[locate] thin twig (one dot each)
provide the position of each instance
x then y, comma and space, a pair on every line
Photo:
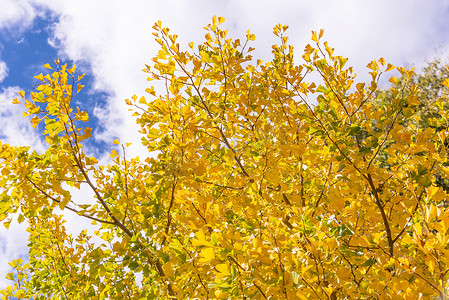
68, 207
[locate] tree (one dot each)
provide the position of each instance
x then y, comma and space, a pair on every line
431, 83
258, 184
433, 98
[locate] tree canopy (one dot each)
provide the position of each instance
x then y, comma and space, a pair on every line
257, 184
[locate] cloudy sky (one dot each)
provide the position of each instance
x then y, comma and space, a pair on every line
111, 40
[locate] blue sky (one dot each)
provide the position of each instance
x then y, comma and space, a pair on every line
110, 41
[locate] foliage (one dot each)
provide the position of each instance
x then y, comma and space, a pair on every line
433, 98
431, 84
258, 184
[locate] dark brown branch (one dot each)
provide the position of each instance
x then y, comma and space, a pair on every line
260, 290
419, 275
382, 212
383, 142
351, 266
126, 183
169, 217
103, 203
311, 287
322, 191
68, 207
201, 216
161, 273
367, 177
405, 226
335, 93
117, 222
222, 186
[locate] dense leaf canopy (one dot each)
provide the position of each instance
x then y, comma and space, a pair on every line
257, 184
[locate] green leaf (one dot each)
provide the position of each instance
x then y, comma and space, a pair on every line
321, 89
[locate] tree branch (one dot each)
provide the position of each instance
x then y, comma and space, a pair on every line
68, 207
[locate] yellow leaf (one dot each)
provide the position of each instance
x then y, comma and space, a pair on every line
92, 160
71, 70
431, 264
142, 100
80, 86
445, 223
48, 66
377, 236
10, 276
304, 268
200, 169
35, 121
329, 290
393, 80
113, 154
40, 77
22, 94
200, 239
150, 91
207, 254
306, 57
300, 295
257, 244
321, 33
7, 223
20, 294
81, 115
442, 238
404, 260
118, 247
446, 83
223, 269
250, 36
116, 142
221, 294
372, 65
87, 133
314, 36
389, 67
418, 229
168, 269
15, 101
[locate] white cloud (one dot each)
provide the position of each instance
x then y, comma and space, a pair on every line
16, 15
18, 131
12, 246
404, 32
3, 70
15, 129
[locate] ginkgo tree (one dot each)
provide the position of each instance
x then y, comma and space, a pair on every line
257, 184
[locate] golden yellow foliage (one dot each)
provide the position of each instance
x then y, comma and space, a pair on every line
259, 184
